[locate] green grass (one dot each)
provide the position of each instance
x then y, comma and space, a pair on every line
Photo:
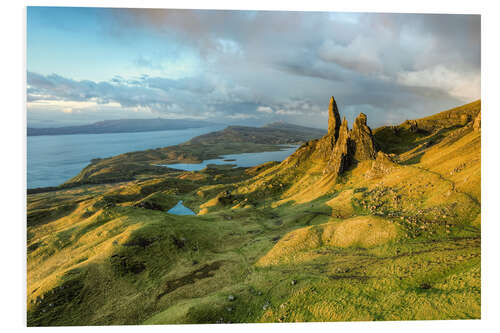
166, 248
275, 243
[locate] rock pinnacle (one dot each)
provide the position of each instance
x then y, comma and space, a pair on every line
333, 118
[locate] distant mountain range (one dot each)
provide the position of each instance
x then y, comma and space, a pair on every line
122, 126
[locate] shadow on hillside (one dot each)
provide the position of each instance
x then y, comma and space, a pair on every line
401, 140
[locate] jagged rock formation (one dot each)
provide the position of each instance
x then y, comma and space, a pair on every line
339, 150
342, 154
383, 165
333, 119
363, 139
326, 144
351, 146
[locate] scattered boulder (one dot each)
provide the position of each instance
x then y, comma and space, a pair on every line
425, 286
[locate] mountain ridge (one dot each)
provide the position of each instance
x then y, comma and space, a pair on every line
273, 133
122, 126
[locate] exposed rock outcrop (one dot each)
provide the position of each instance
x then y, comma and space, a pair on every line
339, 150
361, 135
459, 116
342, 154
412, 125
465, 119
382, 165
333, 119
477, 123
351, 146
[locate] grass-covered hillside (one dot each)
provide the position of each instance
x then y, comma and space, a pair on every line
397, 237
273, 133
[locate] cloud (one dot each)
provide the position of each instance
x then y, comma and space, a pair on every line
240, 116
265, 109
360, 55
288, 112
145, 92
466, 87
284, 65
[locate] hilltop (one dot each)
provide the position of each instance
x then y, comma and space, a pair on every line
274, 133
122, 126
357, 224
295, 128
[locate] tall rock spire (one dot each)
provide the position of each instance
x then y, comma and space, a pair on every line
341, 157
342, 148
333, 119
362, 137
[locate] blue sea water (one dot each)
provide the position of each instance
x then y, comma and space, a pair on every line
53, 159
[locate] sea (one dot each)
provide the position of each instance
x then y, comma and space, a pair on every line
54, 159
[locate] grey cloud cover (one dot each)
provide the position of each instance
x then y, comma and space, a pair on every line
391, 66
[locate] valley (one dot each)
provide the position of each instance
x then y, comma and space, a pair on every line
355, 225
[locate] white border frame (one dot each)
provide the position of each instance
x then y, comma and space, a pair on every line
13, 195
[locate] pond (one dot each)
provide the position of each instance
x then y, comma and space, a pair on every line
180, 209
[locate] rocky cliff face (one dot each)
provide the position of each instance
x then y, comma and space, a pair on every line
349, 146
337, 151
361, 135
342, 154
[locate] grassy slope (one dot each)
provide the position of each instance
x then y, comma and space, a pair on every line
275, 133
391, 241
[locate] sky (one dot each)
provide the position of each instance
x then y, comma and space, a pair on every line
246, 67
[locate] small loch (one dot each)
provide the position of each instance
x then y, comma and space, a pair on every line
180, 209
239, 160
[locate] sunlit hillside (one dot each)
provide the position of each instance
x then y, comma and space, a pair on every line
357, 225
